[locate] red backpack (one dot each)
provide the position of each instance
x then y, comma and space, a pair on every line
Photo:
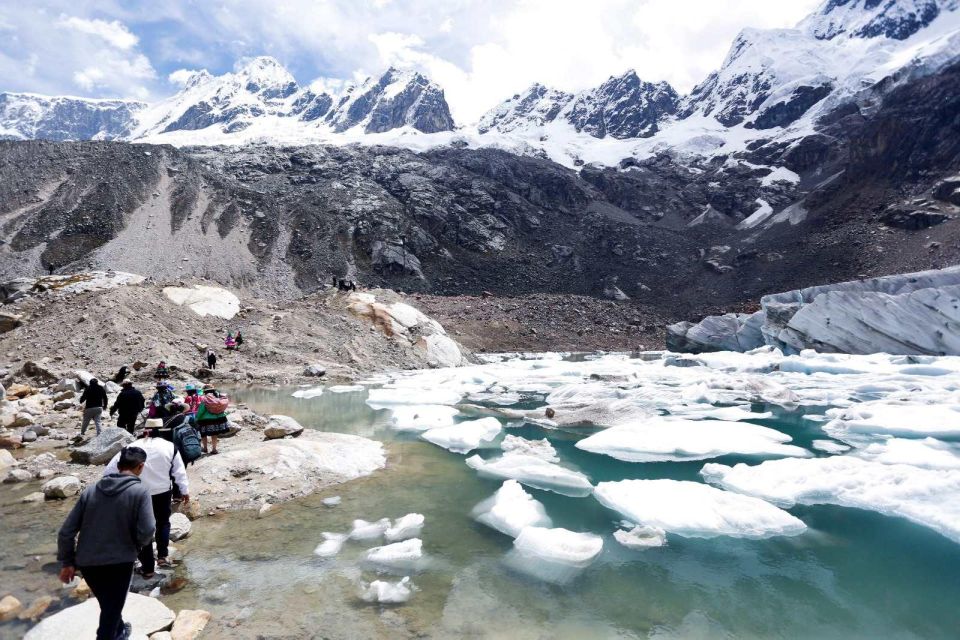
216, 404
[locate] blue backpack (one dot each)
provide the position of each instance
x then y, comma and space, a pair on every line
187, 441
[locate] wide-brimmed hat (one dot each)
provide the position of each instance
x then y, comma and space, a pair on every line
153, 423
190, 387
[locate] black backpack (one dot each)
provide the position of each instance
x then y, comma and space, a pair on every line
187, 441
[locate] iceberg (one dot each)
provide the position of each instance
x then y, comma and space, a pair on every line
421, 417
553, 555
641, 537
534, 472
464, 437
404, 555
306, 394
510, 510
409, 526
929, 497
667, 439
382, 592
331, 545
536, 448
696, 510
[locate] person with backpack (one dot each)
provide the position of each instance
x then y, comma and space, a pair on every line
94, 401
128, 405
161, 372
163, 463
239, 339
191, 398
229, 342
184, 434
212, 417
101, 537
160, 400
211, 359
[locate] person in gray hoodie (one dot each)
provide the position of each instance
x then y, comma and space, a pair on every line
102, 535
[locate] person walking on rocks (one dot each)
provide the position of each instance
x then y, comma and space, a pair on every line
211, 359
128, 405
102, 534
162, 465
212, 417
161, 372
239, 339
191, 398
94, 401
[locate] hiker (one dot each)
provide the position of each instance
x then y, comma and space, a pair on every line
191, 398
94, 401
106, 528
239, 340
229, 342
163, 464
121, 375
211, 359
161, 373
127, 406
212, 417
158, 403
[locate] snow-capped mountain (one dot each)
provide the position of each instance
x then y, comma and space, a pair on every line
29, 116
896, 19
536, 106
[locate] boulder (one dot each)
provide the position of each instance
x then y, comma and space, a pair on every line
205, 301
179, 526
22, 419
62, 487
9, 321
111, 387
189, 624
67, 394
19, 390
36, 496
913, 220
84, 377
33, 370
36, 608
440, 350
17, 475
28, 436
67, 384
315, 370
281, 427
10, 442
146, 615
9, 608
6, 460
63, 405
102, 447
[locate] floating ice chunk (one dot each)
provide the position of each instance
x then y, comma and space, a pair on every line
703, 412
464, 436
331, 545
899, 419
695, 510
363, 530
829, 446
554, 555
411, 395
511, 509
665, 439
383, 592
332, 501
409, 526
421, 417
404, 555
534, 472
345, 388
641, 537
928, 453
770, 392
305, 394
537, 448
930, 497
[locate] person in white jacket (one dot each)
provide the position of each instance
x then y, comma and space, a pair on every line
163, 463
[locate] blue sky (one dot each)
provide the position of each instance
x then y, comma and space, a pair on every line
480, 51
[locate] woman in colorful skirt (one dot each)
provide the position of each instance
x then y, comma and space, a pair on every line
212, 417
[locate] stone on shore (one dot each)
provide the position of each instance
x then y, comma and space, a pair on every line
6, 460
102, 447
9, 608
146, 615
36, 496
62, 487
36, 608
281, 427
189, 624
315, 370
179, 526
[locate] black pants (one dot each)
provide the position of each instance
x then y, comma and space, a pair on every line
161, 511
127, 421
109, 584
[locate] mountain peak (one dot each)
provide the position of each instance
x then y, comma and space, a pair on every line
895, 19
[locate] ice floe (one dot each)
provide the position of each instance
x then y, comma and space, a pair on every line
331, 545
421, 417
930, 497
928, 453
896, 418
695, 510
406, 555
705, 412
363, 530
464, 437
345, 388
510, 510
829, 446
535, 472
409, 526
383, 592
553, 555
641, 537
668, 439
411, 395
537, 448
306, 394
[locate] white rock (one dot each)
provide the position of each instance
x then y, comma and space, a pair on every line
282, 427
331, 545
62, 487
440, 350
674, 439
534, 472
641, 537
363, 530
332, 501
146, 615
383, 592
510, 510
695, 510
205, 301
404, 555
6, 460
421, 417
929, 497
465, 436
179, 526
537, 448
409, 526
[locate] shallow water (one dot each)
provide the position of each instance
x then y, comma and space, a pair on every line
853, 574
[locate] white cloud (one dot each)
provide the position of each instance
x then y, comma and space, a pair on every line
115, 33
180, 76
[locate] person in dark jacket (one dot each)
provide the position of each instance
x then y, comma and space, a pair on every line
121, 375
128, 405
102, 534
211, 359
239, 339
94, 401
